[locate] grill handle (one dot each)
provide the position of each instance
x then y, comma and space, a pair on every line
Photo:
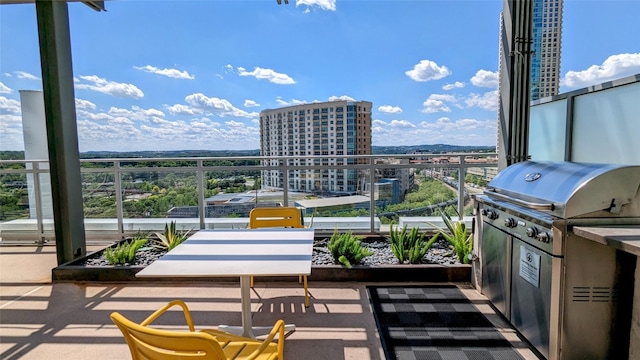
527, 204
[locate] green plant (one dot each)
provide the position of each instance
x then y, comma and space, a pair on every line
171, 237
347, 249
457, 236
124, 252
409, 245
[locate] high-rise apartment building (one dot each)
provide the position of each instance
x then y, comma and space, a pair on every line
316, 134
546, 46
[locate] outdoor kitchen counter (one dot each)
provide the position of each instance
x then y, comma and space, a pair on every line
622, 237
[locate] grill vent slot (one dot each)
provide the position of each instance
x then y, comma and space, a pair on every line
595, 294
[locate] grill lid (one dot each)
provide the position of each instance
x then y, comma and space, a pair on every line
569, 189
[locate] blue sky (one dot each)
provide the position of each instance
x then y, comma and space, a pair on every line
173, 75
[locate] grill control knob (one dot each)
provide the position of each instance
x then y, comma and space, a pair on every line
492, 214
484, 212
532, 232
510, 222
545, 237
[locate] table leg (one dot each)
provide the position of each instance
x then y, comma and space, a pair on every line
245, 295
247, 329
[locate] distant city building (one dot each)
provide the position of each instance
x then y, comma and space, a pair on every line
546, 46
323, 131
404, 176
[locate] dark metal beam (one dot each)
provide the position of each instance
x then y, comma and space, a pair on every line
515, 81
62, 134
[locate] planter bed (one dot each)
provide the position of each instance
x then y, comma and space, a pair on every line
382, 267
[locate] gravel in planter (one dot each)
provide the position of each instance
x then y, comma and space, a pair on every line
440, 253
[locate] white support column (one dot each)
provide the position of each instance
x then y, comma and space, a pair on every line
34, 132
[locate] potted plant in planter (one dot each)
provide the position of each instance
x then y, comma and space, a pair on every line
458, 236
347, 249
410, 246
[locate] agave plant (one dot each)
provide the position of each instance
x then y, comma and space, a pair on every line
458, 237
171, 237
410, 246
124, 252
347, 249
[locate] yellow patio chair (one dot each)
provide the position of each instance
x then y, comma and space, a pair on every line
148, 343
290, 217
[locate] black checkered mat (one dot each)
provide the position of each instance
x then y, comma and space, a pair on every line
436, 323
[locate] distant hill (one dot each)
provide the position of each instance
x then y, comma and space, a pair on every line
376, 150
432, 149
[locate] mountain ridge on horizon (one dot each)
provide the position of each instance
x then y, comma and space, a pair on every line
375, 150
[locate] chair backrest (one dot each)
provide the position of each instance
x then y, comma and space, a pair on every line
275, 217
146, 343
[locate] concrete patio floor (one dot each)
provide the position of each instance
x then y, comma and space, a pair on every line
41, 320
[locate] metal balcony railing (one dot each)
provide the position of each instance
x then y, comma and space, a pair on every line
118, 176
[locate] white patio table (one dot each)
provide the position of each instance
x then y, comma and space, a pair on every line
241, 252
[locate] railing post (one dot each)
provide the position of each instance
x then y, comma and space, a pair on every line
201, 205
36, 193
462, 171
372, 200
118, 188
285, 180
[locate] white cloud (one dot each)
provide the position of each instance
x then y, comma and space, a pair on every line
9, 106
292, 102
180, 109
234, 124
343, 97
388, 109
172, 73
443, 131
25, 75
322, 4
614, 67
268, 74
85, 104
213, 105
427, 70
137, 113
250, 103
102, 117
437, 103
10, 124
11, 137
487, 101
485, 78
444, 124
452, 86
109, 87
4, 89
401, 124
119, 135
147, 129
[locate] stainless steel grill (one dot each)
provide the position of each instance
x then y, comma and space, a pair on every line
557, 289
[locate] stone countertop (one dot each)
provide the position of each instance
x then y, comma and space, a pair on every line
622, 237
